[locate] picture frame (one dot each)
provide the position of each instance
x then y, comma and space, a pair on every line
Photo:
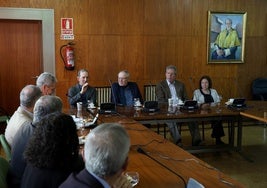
226, 37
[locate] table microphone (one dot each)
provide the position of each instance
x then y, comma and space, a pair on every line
240, 91
69, 95
113, 94
140, 150
191, 83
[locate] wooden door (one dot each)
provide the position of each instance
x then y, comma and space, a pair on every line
21, 59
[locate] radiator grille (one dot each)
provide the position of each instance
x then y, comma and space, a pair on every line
150, 92
103, 94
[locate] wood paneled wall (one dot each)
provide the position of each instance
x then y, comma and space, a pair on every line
144, 36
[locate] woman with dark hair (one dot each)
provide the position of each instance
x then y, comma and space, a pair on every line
52, 152
206, 94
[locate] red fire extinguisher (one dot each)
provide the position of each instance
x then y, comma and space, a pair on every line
68, 55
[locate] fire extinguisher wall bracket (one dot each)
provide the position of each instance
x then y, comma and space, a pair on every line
67, 55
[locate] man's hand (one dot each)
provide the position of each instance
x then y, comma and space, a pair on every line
220, 52
84, 88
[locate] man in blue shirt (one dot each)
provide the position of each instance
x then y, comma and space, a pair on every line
123, 92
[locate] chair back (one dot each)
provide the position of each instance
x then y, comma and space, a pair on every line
6, 147
259, 89
4, 165
4, 117
150, 93
103, 94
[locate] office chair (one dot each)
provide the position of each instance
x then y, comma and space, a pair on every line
259, 89
4, 117
5, 147
4, 165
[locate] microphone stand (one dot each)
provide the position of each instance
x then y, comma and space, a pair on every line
140, 150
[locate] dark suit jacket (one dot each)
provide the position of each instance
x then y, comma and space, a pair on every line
74, 95
163, 92
117, 92
82, 180
43, 177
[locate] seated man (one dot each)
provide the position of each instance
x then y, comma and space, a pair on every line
47, 83
82, 92
44, 105
172, 88
123, 92
106, 158
226, 42
28, 96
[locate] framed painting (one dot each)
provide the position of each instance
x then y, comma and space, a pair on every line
226, 37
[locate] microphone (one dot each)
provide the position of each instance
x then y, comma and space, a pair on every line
191, 83
140, 150
71, 100
69, 95
165, 99
113, 94
151, 94
240, 91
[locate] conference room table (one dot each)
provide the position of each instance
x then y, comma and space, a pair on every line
256, 110
159, 162
203, 115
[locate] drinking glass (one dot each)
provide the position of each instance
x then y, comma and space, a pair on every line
218, 110
137, 102
82, 127
133, 177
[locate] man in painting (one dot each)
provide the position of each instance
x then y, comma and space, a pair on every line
226, 43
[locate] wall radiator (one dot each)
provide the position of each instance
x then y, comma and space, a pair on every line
103, 95
150, 93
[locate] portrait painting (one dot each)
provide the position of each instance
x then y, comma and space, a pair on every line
226, 37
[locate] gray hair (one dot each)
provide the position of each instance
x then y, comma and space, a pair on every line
46, 78
106, 149
171, 67
229, 19
45, 105
28, 95
127, 74
80, 71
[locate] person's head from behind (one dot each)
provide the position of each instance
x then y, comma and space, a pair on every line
28, 96
54, 143
171, 73
228, 23
47, 83
82, 76
205, 82
46, 104
106, 150
123, 78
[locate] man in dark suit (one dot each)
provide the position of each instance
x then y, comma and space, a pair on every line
82, 91
106, 158
174, 89
123, 92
